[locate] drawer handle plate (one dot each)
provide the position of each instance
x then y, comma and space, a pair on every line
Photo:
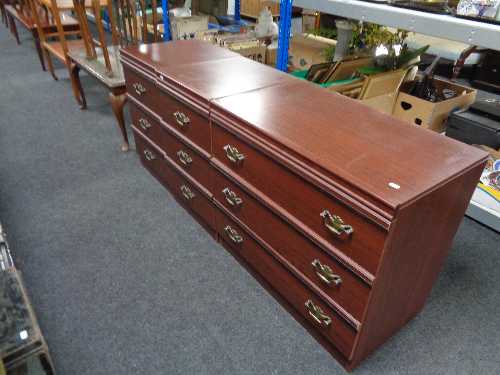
326, 274
188, 194
335, 224
318, 314
149, 155
181, 118
144, 124
139, 88
233, 154
232, 198
184, 158
233, 235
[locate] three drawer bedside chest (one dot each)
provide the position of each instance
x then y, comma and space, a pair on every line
345, 215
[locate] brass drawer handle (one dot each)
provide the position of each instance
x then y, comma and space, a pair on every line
184, 158
318, 314
233, 154
149, 155
139, 89
233, 235
144, 124
232, 198
325, 273
181, 119
188, 194
335, 224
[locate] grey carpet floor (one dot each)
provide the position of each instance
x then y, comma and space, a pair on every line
124, 282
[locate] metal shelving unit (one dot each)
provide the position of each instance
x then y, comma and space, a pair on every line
443, 26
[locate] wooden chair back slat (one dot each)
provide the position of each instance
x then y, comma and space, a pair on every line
129, 23
80, 11
102, 36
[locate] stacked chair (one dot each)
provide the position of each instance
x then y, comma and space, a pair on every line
23, 13
130, 22
57, 43
97, 53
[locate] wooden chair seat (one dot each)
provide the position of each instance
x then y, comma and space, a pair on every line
96, 67
56, 48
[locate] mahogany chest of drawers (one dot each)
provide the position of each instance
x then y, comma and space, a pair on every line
344, 214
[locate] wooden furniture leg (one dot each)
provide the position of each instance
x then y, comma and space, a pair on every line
13, 28
4, 16
117, 104
50, 64
39, 49
74, 85
75, 81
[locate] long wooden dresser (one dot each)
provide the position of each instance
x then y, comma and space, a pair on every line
345, 215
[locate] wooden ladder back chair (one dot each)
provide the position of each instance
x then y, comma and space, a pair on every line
3, 14
17, 9
124, 25
129, 22
22, 12
57, 43
138, 29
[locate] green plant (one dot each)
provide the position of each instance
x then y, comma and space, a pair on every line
368, 36
328, 53
325, 32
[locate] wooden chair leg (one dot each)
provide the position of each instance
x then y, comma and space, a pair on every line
39, 50
4, 16
117, 104
50, 64
13, 28
76, 85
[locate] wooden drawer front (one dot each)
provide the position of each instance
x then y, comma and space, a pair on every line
141, 88
189, 122
191, 197
303, 201
183, 190
330, 279
329, 324
183, 155
152, 158
163, 102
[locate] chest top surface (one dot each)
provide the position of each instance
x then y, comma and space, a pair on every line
165, 54
207, 70
220, 78
374, 152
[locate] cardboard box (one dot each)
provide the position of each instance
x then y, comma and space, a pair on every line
252, 49
429, 115
378, 91
272, 54
382, 103
307, 49
186, 27
252, 8
206, 35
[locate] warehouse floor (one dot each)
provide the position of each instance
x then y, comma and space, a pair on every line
125, 282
